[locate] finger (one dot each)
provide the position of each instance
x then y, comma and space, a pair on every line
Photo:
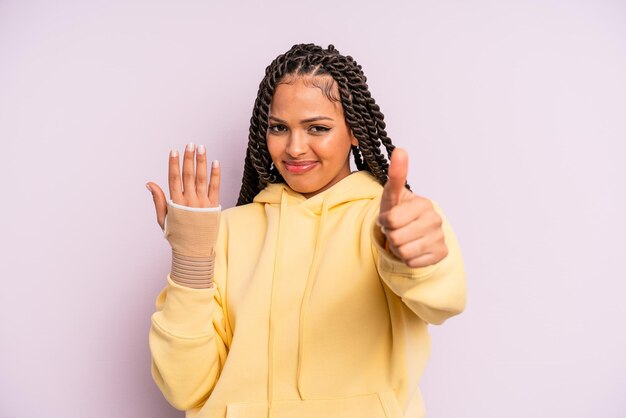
201, 171
412, 231
160, 202
427, 251
214, 183
393, 249
404, 213
189, 177
412, 249
176, 191
397, 173
422, 260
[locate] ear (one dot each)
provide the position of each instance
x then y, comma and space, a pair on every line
353, 140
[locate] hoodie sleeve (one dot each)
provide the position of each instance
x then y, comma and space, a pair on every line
434, 293
189, 334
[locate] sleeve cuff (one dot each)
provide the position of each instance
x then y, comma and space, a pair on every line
187, 312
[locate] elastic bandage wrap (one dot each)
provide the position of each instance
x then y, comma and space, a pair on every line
192, 234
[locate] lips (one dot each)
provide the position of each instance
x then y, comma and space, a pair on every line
299, 166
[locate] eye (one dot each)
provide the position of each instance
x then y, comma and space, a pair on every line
318, 129
276, 128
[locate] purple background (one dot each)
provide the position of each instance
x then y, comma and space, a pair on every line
513, 114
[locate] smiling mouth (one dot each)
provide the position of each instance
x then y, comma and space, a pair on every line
299, 166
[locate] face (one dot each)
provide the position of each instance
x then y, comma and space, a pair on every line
308, 138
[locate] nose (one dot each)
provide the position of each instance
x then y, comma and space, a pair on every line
296, 145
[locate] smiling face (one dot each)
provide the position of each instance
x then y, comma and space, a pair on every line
307, 137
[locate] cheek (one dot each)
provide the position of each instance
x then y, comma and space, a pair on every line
273, 147
336, 147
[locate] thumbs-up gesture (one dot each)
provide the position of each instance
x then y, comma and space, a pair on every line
409, 222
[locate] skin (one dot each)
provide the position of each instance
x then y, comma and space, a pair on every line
193, 190
294, 138
410, 223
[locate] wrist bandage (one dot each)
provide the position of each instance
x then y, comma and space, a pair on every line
192, 233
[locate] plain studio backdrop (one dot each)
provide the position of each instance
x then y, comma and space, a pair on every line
512, 113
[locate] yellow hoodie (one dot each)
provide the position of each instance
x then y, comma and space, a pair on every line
309, 316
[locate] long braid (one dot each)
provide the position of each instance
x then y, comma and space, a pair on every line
361, 112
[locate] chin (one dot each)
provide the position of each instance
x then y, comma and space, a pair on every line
301, 187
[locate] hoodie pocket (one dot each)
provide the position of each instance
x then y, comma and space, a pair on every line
375, 405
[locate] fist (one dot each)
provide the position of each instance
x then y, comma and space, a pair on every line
410, 223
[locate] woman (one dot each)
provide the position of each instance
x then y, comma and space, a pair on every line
312, 296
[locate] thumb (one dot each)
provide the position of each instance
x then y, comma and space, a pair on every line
160, 202
397, 173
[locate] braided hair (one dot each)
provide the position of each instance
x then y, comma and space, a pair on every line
361, 112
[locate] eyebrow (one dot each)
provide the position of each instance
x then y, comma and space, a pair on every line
313, 119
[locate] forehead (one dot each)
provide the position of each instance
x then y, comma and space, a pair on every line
302, 97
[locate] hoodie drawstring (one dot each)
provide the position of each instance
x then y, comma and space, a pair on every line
307, 293
276, 275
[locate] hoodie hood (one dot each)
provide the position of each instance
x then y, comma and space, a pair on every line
358, 185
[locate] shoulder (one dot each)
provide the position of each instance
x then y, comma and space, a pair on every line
237, 214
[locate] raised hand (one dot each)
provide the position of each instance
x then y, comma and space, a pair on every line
410, 222
195, 190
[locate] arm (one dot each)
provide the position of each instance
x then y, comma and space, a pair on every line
435, 292
189, 334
